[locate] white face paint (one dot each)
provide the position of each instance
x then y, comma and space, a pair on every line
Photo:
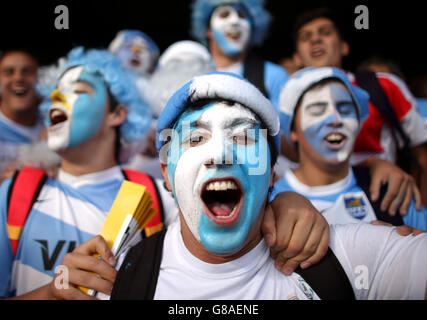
135, 55
212, 156
231, 28
329, 121
77, 110
59, 135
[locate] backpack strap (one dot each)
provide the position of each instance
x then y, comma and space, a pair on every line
363, 179
368, 81
254, 72
139, 272
156, 223
328, 279
23, 192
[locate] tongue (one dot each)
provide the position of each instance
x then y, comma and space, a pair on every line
221, 209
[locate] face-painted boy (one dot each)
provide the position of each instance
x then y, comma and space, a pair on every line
218, 163
137, 51
322, 113
230, 27
205, 133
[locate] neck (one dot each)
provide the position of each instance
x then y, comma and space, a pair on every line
89, 157
221, 59
197, 249
27, 117
316, 173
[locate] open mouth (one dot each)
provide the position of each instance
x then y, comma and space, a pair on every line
234, 34
317, 52
335, 141
135, 62
19, 91
222, 200
57, 116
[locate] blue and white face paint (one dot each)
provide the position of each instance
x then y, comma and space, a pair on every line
135, 54
329, 121
77, 110
209, 167
231, 28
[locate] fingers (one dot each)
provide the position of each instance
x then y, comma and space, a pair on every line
70, 293
294, 242
401, 230
96, 265
313, 251
268, 227
393, 187
97, 245
381, 223
86, 270
376, 184
417, 196
400, 198
90, 280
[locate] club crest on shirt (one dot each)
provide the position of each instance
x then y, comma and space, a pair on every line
356, 207
306, 289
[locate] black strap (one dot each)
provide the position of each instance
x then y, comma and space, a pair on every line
328, 279
137, 277
363, 178
138, 274
254, 72
368, 81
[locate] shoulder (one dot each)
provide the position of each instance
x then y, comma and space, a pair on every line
275, 69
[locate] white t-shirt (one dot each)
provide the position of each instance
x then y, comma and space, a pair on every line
379, 263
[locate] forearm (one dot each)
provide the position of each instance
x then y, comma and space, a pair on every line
42, 293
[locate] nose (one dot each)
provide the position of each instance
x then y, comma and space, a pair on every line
316, 38
336, 120
135, 50
57, 96
222, 154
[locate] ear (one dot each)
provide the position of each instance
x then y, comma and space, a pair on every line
118, 115
345, 48
294, 136
164, 169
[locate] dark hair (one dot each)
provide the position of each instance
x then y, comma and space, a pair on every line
113, 105
20, 50
310, 15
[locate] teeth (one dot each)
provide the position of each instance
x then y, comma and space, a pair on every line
334, 137
221, 186
56, 112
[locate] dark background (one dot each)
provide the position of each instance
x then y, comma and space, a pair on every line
397, 30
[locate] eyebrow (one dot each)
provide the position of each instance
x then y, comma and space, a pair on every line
228, 125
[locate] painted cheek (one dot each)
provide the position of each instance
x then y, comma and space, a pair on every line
224, 240
314, 136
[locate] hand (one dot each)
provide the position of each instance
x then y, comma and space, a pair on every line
401, 187
85, 270
401, 230
298, 235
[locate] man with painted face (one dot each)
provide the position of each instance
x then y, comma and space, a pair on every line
229, 28
137, 51
218, 138
321, 113
319, 42
95, 120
